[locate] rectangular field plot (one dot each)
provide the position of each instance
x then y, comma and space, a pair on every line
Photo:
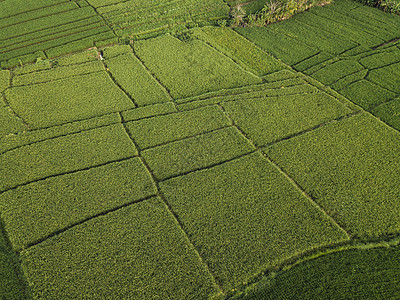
366, 94
4, 80
138, 19
56, 27
244, 216
132, 76
351, 168
196, 153
317, 38
266, 120
190, 68
137, 252
164, 129
281, 46
37, 210
64, 154
389, 112
240, 49
66, 100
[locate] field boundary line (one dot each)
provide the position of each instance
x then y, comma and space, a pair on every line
66, 173
104, 19
152, 75
292, 181
78, 30
117, 84
175, 217
55, 80
45, 16
305, 194
39, 8
13, 111
338, 119
64, 229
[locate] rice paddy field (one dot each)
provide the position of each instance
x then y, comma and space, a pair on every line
148, 151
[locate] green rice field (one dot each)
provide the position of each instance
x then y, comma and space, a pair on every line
148, 150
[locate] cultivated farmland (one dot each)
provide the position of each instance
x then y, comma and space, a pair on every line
149, 151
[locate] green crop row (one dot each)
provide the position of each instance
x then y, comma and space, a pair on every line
196, 153
11, 142
37, 14
46, 206
243, 222
136, 252
51, 34
351, 274
350, 168
163, 129
239, 49
12, 8
137, 19
287, 115
64, 154
136, 81
286, 48
67, 100
190, 68
58, 73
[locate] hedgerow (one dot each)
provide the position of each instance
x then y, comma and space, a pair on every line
67, 100
46, 206
243, 222
351, 274
287, 115
190, 68
163, 129
240, 49
351, 169
131, 75
135, 252
196, 153
64, 154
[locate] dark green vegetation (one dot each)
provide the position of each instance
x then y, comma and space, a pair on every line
139, 19
199, 163
356, 273
342, 45
31, 30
